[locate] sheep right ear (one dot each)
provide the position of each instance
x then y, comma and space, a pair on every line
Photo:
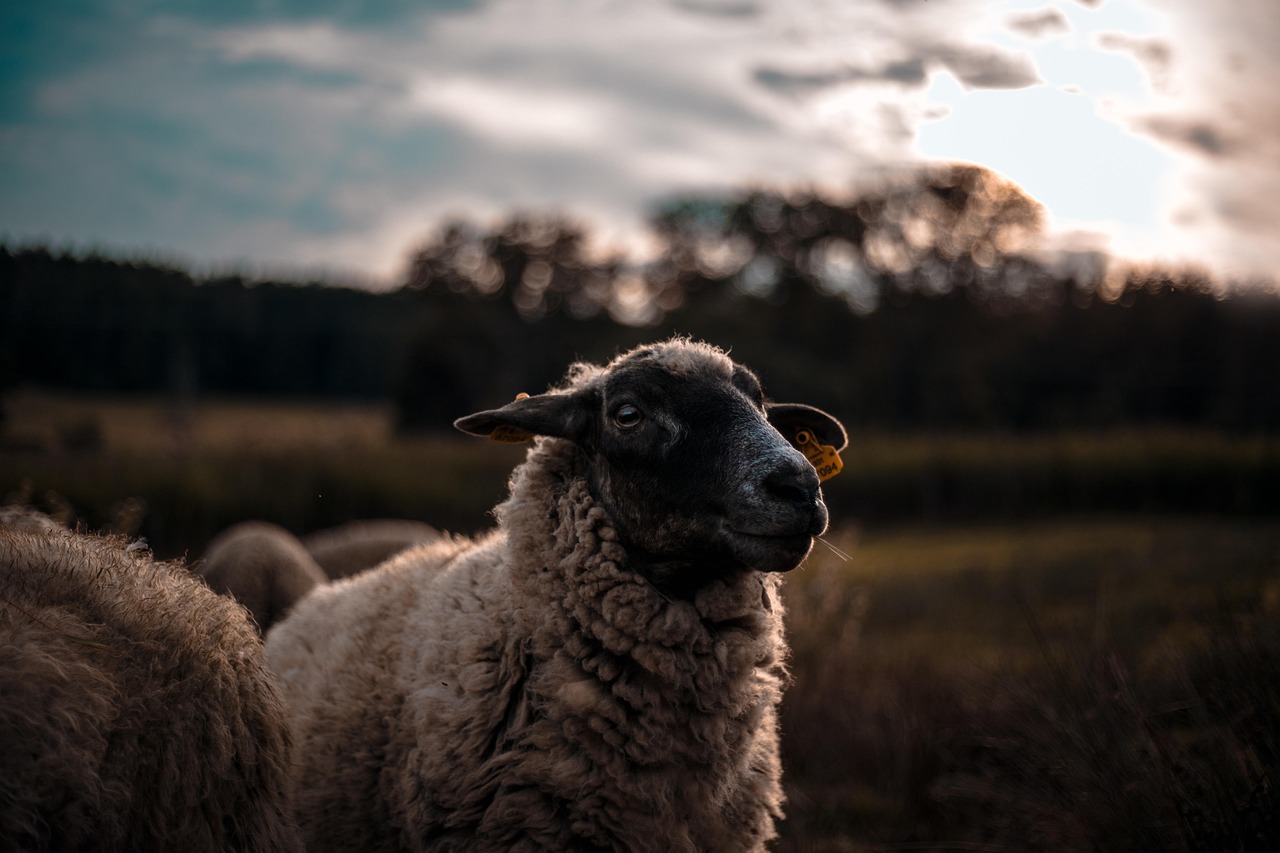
787, 418
555, 414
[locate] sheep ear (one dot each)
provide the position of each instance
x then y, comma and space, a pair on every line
790, 418
559, 415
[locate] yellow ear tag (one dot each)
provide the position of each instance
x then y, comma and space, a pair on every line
509, 434
823, 457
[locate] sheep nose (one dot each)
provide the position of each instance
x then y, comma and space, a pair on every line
793, 481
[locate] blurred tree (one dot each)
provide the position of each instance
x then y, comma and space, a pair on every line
924, 232
99, 324
956, 317
542, 265
921, 302
505, 310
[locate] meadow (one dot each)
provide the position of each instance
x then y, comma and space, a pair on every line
1007, 642
1107, 683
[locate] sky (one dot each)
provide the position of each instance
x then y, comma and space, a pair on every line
332, 137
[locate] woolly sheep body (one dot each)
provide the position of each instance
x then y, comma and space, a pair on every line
136, 709
522, 756
533, 689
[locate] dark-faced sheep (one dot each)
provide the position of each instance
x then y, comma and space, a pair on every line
136, 709
603, 670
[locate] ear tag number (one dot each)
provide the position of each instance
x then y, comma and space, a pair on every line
823, 457
510, 435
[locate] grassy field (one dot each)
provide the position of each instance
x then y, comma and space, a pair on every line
179, 477
1104, 684
1050, 643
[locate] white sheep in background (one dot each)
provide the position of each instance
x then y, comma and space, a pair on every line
358, 545
136, 708
268, 569
262, 566
600, 672
28, 520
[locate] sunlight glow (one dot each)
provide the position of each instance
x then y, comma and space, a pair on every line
1066, 142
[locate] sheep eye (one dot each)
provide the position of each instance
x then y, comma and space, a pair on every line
627, 416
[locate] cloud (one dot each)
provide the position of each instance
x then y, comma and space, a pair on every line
725, 9
975, 66
980, 67
1154, 54
907, 72
506, 115
1198, 135
1046, 22
1220, 113
383, 15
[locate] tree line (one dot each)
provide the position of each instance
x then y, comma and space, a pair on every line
924, 302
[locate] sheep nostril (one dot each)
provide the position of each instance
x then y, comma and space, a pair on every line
793, 486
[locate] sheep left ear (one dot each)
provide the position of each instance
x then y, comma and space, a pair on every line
559, 415
790, 418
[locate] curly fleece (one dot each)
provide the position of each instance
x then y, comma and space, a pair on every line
531, 691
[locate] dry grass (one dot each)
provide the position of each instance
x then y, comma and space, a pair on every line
1112, 684
134, 465
53, 420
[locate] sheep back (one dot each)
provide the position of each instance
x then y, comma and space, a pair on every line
136, 710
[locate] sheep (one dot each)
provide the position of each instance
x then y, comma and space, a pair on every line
601, 671
136, 708
27, 519
358, 545
262, 566
268, 569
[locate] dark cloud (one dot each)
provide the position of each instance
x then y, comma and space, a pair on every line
988, 68
730, 9
1247, 210
976, 67
1040, 24
909, 72
1195, 134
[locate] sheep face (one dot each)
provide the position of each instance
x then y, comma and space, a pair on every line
687, 457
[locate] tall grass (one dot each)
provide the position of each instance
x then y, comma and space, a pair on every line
1110, 685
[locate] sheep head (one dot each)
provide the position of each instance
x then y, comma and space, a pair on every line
699, 473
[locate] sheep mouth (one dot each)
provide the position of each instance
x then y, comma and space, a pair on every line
770, 552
